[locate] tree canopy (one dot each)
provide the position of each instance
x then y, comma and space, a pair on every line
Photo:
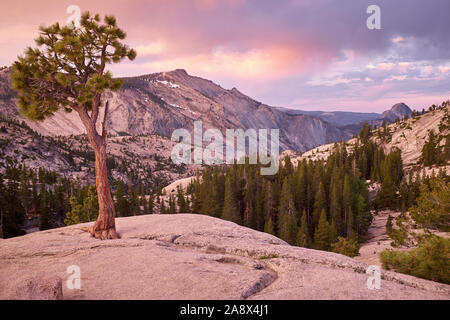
67, 69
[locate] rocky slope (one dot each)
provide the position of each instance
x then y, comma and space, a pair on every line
376, 239
146, 156
188, 256
407, 135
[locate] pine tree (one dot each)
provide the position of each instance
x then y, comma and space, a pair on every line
122, 204
133, 197
151, 205
230, 211
172, 206
346, 200
320, 203
44, 212
287, 216
322, 233
430, 150
12, 213
66, 71
303, 239
301, 185
250, 194
333, 233
90, 205
336, 204
386, 197
432, 210
197, 196
260, 205
25, 193
350, 222
181, 201
269, 227
74, 215
34, 193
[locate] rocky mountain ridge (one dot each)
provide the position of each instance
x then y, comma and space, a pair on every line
162, 102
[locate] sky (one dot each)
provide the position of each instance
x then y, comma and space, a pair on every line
299, 54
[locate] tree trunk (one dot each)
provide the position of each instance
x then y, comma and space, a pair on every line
104, 227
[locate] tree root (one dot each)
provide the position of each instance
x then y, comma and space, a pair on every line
108, 234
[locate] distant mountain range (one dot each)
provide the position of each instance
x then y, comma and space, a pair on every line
344, 118
162, 102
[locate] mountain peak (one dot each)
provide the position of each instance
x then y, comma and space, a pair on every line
400, 107
398, 110
180, 72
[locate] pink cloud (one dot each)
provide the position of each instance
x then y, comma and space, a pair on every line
386, 66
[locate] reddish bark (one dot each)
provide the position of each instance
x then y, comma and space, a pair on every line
104, 227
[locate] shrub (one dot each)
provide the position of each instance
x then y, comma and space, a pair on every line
347, 247
401, 233
433, 205
430, 260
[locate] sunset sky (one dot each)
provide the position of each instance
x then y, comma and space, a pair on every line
303, 54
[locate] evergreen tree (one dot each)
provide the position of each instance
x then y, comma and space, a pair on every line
287, 221
301, 187
133, 197
432, 210
34, 193
151, 205
430, 150
347, 201
172, 206
260, 205
335, 204
303, 239
12, 213
320, 203
121, 201
181, 201
44, 211
230, 210
322, 233
74, 215
163, 207
66, 71
386, 197
333, 233
269, 227
90, 205
25, 193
